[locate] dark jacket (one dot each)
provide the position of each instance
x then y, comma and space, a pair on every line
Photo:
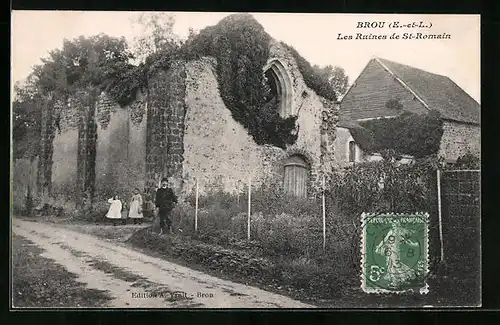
165, 198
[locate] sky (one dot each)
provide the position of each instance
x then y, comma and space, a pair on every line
314, 36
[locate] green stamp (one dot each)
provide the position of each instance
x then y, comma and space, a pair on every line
394, 251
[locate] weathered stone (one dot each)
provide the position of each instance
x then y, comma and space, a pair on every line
460, 138
181, 129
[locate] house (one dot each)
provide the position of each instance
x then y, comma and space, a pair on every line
386, 89
181, 127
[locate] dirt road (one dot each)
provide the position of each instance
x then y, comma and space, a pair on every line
136, 280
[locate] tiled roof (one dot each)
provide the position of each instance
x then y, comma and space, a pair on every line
437, 92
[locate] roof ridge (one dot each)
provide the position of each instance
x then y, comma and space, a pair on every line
415, 68
402, 82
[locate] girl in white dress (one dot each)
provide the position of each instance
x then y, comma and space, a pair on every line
115, 210
135, 211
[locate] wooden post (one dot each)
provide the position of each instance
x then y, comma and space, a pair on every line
438, 175
249, 205
196, 208
324, 215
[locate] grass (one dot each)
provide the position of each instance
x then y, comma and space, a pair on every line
320, 283
40, 282
291, 278
325, 282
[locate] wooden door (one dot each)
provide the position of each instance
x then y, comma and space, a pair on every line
296, 177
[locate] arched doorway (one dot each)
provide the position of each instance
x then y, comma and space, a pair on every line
281, 87
296, 176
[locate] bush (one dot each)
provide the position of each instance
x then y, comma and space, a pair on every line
270, 199
384, 186
296, 236
279, 223
183, 218
468, 161
408, 133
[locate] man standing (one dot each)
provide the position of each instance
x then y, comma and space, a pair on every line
164, 201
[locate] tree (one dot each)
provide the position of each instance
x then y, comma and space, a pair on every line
155, 34
338, 80
26, 118
82, 63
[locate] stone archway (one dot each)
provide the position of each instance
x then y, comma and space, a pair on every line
281, 86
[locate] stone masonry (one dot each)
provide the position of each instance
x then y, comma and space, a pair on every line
179, 126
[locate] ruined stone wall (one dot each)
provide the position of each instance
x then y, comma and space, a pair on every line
317, 118
44, 168
179, 127
111, 149
66, 169
86, 101
174, 114
158, 88
24, 175
218, 151
458, 138
330, 118
165, 124
137, 132
65, 153
120, 147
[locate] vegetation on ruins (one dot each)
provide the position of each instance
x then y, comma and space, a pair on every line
407, 134
238, 42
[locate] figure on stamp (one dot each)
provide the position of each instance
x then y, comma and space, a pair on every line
398, 272
165, 200
135, 211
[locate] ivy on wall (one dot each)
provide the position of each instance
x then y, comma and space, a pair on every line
314, 79
123, 81
241, 47
103, 114
410, 134
239, 44
137, 112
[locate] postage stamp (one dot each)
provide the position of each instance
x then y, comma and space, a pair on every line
394, 250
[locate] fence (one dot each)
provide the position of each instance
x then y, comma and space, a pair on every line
461, 220
264, 215
329, 223
249, 208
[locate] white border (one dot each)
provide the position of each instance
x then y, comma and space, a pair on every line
422, 290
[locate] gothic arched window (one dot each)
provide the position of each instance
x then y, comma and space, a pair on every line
281, 87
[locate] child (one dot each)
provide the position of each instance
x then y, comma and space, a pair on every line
115, 210
124, 213
136, 207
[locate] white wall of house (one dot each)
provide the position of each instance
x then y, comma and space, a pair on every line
344, 137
